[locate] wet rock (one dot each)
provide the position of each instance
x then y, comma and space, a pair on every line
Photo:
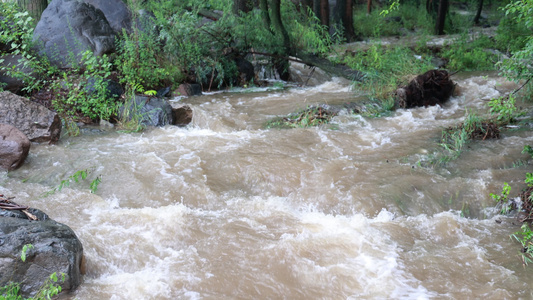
68, 28
14, 147
431, 88
56, 248
116, 13
37, 122
188, 89
14, 84
245, 69
152, 111
164, 92
182, 114
308, 76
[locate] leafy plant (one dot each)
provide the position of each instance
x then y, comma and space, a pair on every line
16, 31
505, 109
77, 177
503, 199
468, 52
25, 249
524, 237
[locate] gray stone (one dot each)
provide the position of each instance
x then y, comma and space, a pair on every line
70, 27
14, 147
56, 248
37, 122
116, 12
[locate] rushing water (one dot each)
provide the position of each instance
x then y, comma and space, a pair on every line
224, 209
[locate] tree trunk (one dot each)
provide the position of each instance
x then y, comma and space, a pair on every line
324, 12
344, 15
441, 17
368, 6
478, 13
282, 65
34, 7
347, 21
263, 4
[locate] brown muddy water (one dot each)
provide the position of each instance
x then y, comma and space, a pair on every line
225, 209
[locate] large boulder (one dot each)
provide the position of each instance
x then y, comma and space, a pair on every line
116, 12
68, 28
151, 111
14, 147
37, 122
14, 62
56, 248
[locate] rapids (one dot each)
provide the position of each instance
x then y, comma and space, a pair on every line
225, 209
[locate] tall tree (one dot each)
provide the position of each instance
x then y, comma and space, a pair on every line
441, 16
344, 13
34, 7
282, 65
478, 12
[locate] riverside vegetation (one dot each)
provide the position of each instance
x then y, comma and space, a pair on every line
183, 49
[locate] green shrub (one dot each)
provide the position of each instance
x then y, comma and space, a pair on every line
386, 68
16, 31
469, 53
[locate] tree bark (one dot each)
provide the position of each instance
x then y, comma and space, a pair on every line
34, 7
263, 4
347, 21
324, 12
344, 15
441, 17
478, 13
368, 6
282, 65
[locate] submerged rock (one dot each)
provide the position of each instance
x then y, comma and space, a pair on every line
14, 147
150, 110
182, 114
37, 122
55, 248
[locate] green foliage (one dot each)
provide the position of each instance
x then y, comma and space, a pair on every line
10, 292
503, 199
505, 109
47, 291
83, 91
468, 53
386, 68
525, 237
406, 17
519, 66
309, 117
139, 59
25, 250
511, 36
50, 288
77, 177
308, 33
528, 149
16, 31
